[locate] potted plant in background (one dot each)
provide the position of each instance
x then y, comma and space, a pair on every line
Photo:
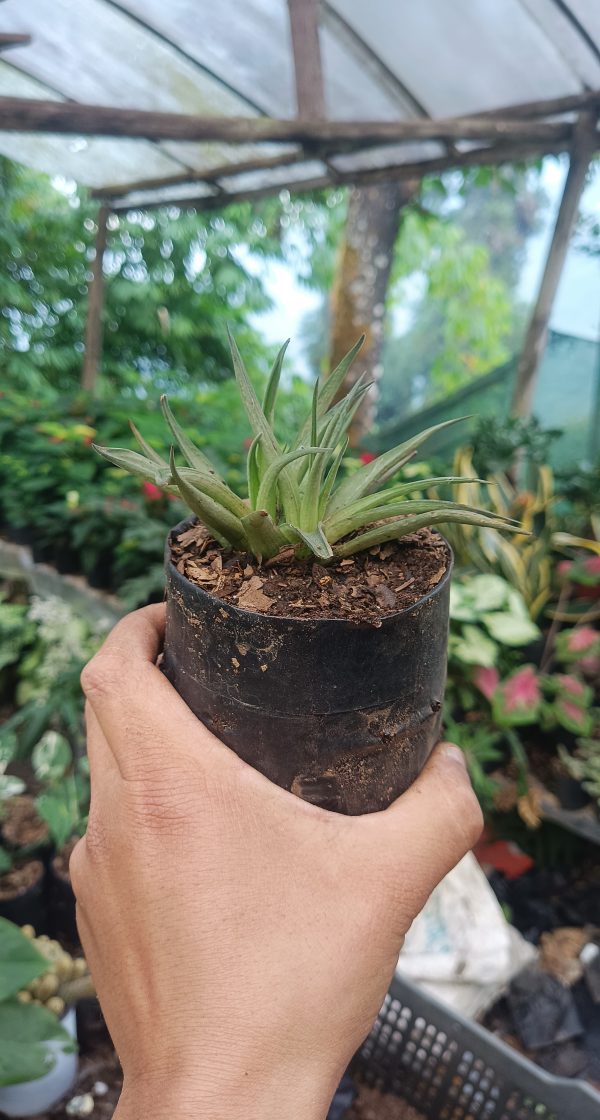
39, 985
22, 870
307, 626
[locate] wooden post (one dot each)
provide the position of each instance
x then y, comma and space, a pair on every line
93, 326
535, 338
304, 26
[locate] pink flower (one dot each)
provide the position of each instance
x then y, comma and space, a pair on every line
582, 638
152, 492
367, 457
248, 443
522, 690
486, 680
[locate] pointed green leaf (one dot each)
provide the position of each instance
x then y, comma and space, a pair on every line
317, 542
330, 479
343, 524
266, 498
333, 383
134, 463
401, 527
263, 536
273, 384
224, 526
25, 1030
252, 472
190, 452
258, 421
149, 452
363, 481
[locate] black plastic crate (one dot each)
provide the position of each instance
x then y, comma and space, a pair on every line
452, 1069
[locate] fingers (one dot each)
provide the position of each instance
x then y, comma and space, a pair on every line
433, 825
146, 725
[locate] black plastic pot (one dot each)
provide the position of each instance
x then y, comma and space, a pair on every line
28, 908
61, 905
571, 793
343, 714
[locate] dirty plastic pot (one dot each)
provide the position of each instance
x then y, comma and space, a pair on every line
571, 793
29, 908
61, 904
343, 714
28, 1098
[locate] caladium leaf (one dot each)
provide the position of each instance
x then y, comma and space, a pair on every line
518, 699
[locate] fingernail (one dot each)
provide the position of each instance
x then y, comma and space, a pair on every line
454, 752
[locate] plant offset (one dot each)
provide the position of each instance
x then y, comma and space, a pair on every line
293, 497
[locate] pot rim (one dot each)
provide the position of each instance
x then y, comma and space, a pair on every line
386, 619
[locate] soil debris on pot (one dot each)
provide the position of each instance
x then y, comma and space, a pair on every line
20, 878
22, 826
371, 1104
362, 588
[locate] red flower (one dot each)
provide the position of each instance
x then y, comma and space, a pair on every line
367, 457
152, 492
248, 443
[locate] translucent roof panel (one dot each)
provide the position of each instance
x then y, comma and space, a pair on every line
382, 61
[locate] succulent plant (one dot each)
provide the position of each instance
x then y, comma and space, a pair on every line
293, 497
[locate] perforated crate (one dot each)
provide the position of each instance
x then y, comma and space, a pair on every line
452, 1069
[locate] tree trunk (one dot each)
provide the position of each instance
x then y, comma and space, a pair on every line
360, 286
93, 326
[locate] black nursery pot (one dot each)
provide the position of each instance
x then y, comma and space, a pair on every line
343, 714
28, 907
61, 900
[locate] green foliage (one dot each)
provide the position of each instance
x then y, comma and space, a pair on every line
584, 765
25, 1029
292, 499
487, 615
173, 279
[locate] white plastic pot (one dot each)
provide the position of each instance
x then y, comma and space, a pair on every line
30, 1097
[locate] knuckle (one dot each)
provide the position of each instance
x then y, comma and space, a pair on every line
161, 804
78, 868
102, 675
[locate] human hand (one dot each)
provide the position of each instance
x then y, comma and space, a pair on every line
241, 940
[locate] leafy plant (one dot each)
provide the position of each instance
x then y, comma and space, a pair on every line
26, 1028
487, 615
584, 765
292, 495
525, 560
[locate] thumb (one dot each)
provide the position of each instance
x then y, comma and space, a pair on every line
431, 826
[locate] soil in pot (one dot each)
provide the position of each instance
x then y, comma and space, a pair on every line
62, 898
22, 895
23, 829
371, 1104
329, 680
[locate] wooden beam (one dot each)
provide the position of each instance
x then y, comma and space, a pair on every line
211, 175
93, 326
586, 140
8, 39
498, 154
308, 71
28, 115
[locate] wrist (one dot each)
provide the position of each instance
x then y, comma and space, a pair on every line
229, 1095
